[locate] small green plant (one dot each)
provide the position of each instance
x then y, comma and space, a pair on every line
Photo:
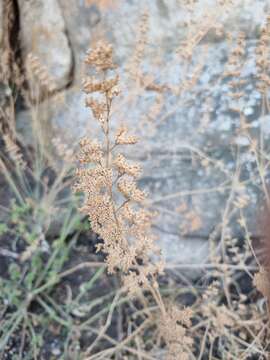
29, 291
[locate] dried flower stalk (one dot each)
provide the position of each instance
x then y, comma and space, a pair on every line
38, 71
123, 225
113, 201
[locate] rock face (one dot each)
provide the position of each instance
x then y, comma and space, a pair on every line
198, 165
43, 33
80, 21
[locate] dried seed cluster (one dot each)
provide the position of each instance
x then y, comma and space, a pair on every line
173, 330
119, 219
34, 67
262, 58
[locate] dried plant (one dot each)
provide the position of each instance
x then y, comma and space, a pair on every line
37, 72
124, 230
14, 151
113, 200
10, 76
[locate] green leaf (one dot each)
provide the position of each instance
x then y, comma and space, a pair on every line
3, 228
14, 272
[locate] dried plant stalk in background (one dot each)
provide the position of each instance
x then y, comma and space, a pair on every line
38, 72
113, 201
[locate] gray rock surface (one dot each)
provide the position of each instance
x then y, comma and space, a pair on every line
43, 33
166, 25
82, 23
